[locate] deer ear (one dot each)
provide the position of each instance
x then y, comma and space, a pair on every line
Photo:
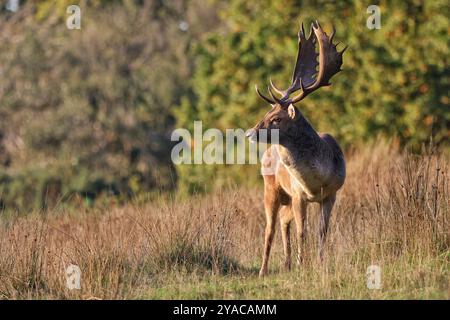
291, 111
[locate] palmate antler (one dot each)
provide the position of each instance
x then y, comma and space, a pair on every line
306, 77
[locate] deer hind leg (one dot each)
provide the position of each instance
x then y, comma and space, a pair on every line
299, 209
285, 221
271, 206
326, 207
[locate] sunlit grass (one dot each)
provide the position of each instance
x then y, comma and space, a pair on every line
392, 212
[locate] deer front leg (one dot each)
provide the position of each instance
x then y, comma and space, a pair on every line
325, 213
271, 205
299, 208
285, 221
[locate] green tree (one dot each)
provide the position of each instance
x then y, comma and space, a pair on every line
90, 111
395, 81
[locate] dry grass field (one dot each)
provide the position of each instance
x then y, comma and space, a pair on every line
393, 212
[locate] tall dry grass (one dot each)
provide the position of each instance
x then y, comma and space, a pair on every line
393, 212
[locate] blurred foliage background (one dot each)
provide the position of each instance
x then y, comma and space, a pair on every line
86, 114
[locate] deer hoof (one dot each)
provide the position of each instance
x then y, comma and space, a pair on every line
263, 273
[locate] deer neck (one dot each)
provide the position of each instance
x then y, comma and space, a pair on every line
306, 157
301, 143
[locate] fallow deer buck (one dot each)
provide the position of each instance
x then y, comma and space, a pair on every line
311, 165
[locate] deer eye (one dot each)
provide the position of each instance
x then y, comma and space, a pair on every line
276, 121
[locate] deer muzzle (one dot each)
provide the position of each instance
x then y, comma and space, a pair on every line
252, 135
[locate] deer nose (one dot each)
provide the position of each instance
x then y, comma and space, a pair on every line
251, 135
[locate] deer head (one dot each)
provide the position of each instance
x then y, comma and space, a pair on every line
284, 115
